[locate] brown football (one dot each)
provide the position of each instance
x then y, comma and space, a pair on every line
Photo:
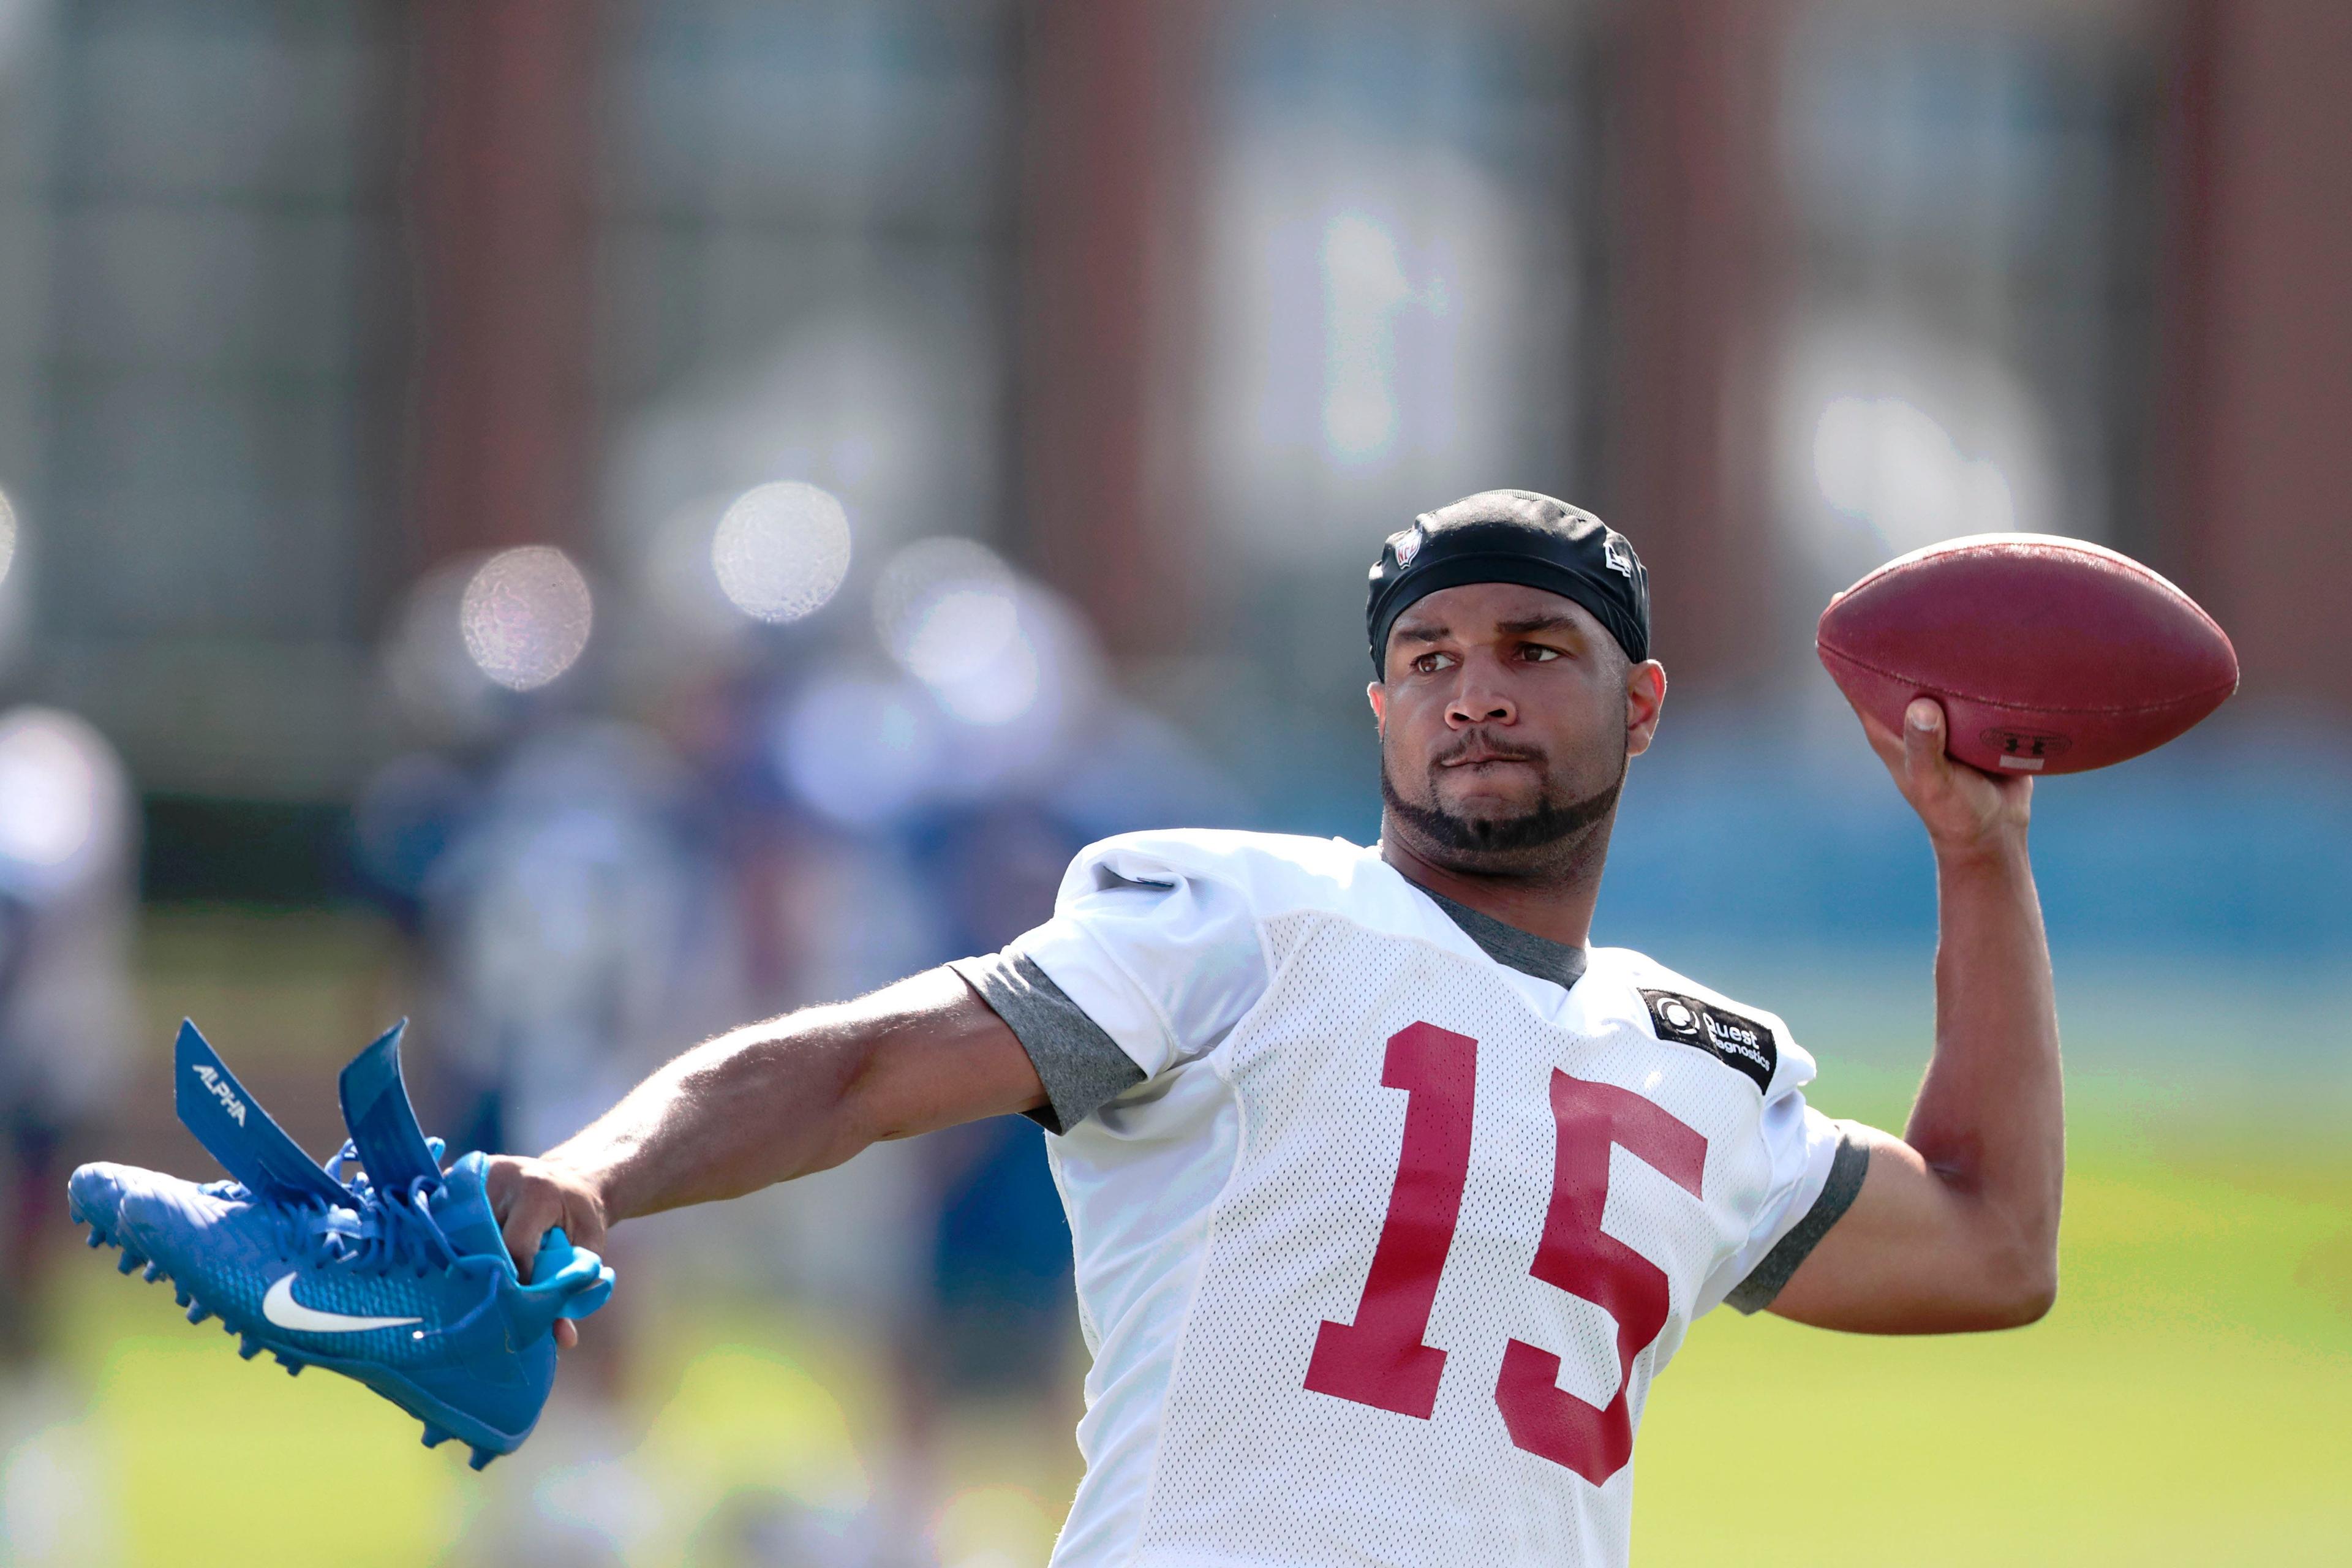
2050, 655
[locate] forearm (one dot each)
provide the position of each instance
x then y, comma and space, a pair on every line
754, 1107
1988, 1120
1955, 1225
801, 1093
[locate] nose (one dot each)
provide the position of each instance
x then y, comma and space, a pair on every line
1479, 698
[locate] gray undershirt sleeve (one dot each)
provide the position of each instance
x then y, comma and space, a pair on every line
1847, 1168
1081, 1067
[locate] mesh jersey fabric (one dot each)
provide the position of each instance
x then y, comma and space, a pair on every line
1226, 1213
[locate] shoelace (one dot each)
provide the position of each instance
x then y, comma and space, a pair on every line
380, 1233
393, 1233
359, 1184
392, 1230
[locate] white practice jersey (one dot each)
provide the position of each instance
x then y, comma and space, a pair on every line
1379, 1258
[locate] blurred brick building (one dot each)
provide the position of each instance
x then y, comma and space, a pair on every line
1182, 306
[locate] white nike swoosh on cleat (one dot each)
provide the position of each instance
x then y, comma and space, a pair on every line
281, 1309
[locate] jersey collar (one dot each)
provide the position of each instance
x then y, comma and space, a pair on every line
1509, 946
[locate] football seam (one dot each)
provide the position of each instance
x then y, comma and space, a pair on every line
2226, 690
2141, 570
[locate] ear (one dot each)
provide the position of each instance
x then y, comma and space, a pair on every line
1377, 695
1646, 696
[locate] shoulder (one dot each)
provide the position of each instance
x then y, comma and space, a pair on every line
1646, 973
1270, 871
1191, 884
1679, 1010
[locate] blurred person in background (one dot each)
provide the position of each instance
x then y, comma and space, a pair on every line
1001, 1256
577, 927
572, 920
68, 887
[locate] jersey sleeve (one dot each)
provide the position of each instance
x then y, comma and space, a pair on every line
1141, 970
1817, 1168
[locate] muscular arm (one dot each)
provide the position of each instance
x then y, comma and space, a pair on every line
1956, 1227
771, 1101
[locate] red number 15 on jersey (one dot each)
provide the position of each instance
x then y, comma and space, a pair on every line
1380, 1360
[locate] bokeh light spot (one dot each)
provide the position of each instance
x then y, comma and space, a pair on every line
966, 623
782, 551
949, 613
860, 750
526, 617
1894, 466
942, 604
1364, 289
996, 690
51, 788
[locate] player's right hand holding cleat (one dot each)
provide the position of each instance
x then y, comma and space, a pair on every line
534, 1198
398, 1277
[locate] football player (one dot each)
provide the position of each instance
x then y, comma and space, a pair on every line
1390, 1193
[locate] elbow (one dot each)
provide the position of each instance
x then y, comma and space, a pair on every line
2029, 1304
2013, 1263
2041, 1291
2022, 1289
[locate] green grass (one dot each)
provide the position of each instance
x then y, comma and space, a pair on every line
2189, 1402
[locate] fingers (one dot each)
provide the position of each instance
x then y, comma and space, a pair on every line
530, 1197
1923, 739
536, 1209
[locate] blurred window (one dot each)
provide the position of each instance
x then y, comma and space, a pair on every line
805, 259
1972, 196
213, 189
201, 373
1398, 213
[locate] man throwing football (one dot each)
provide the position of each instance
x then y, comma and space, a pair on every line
1389, 1193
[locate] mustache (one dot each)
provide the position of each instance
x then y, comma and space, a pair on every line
1491, 751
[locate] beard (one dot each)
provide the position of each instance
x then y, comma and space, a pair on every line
1496, 844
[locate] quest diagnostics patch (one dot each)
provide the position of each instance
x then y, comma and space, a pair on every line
1738, 1041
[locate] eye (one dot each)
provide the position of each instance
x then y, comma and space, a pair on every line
1431, 662
1535, 653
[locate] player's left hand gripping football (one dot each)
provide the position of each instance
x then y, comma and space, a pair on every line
1966, 810
531, 1198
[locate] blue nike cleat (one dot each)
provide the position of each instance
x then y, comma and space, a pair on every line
398, 1277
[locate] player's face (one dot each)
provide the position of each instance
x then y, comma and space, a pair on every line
1506, 716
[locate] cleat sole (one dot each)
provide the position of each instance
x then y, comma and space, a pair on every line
442, 1423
